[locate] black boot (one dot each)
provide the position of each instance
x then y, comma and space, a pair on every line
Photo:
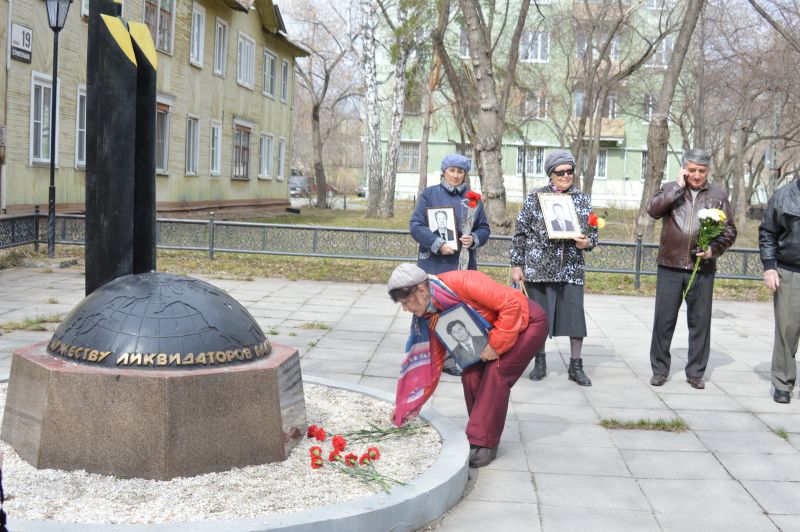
539, 368
576, 373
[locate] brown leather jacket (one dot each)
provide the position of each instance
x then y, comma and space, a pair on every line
681, 224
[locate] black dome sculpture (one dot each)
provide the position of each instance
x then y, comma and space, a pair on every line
159, 321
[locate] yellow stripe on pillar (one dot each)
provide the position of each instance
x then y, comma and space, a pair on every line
120, 34
141, 36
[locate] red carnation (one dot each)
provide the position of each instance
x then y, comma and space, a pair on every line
316, 462
312, 431
334, 455
593, 219
315, 451
351, 459
472, 204
374, 453
473, 196
364, 459
339, 442
320, 434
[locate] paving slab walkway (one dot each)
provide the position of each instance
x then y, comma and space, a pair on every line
557, 468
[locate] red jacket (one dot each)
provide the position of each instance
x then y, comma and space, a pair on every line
502, 306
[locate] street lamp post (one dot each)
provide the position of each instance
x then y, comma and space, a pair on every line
56, 17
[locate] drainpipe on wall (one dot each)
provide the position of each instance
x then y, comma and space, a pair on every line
5, 109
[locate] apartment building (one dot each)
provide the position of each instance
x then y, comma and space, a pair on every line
224, 105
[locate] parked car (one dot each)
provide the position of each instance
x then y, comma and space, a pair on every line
299, 186
361, 191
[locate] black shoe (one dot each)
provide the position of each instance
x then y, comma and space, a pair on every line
451, 368
696, 382
782, 397
539, 368
658, 380
482, 456
575, 372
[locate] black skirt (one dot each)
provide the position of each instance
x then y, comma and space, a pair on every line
563, 304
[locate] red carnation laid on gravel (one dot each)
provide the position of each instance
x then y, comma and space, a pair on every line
334, 455
374, 453
364, 459
316, 462
312, 431
351, 459
339, 442
320, 434
315, 451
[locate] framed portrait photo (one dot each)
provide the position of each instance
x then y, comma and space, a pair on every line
442, 223
462, 336
560, 217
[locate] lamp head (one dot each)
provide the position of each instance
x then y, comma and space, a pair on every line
57, 13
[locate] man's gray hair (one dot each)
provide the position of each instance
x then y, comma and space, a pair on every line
697, 156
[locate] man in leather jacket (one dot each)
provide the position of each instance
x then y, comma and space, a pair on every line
779, 243
677, 204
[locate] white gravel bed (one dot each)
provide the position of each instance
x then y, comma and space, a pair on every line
250, 492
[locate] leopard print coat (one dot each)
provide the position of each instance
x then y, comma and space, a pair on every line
544, 260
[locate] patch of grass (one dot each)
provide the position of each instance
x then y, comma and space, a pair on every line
292, 334
47, 270
312, 343
15, 257
52, 300
668, 425
781, 432
273, 332
315, 325
37, 323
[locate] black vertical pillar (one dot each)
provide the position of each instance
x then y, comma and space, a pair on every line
111, 95
144, 193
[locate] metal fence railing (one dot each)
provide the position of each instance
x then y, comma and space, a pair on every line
214, 236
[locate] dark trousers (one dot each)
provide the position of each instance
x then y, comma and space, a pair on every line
487, 385
669, 293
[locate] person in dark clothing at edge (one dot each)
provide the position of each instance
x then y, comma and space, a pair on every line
435, 254
677, 204
779, 244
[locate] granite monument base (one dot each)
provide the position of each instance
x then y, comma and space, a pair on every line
153, 424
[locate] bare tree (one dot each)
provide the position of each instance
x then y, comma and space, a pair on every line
372, 129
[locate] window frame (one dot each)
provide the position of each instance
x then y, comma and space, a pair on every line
285, 73
239, 128
535, 153
163, 107
157, 34
248, 70
197, 48
602, 155
220, 56
45, 81
273, 73
527, 46
265, 166
215, 148
191, 161
80, 164
406, 161
281, 158
540, 99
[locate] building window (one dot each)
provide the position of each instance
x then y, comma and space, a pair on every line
284, 80
536, 105
532, 161
281, 157
84, 8
270, 72
579, 97
162, 138
534, 47
610, 110
601, 167
463, 44
661, 53
220, 47
408, 157
643, 171
241, 152
216, 148
245, 61
583, 44
649, 106
80, 128
41, 102
614, 48
198, 35
192, 145
265, 156
159, 16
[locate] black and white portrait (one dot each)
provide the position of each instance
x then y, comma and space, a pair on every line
560, 217
442, 223
461, 336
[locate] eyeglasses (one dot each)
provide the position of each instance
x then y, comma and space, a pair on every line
562, 173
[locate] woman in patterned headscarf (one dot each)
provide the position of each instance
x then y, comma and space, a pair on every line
553, 269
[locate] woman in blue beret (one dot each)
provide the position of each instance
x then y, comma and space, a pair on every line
439, 250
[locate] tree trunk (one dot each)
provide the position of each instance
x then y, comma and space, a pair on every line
740, 187
658, 133
319, 169
427, 110
373, 118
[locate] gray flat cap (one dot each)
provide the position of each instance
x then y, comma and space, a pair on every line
406, 274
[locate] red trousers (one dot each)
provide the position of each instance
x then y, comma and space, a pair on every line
487, 385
